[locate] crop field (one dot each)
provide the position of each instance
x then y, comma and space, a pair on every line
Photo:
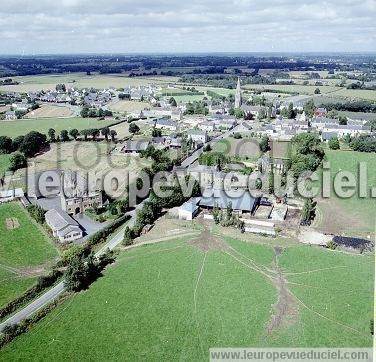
301, 89
49, 111
178, 298
350, 216
22, 126
358, 115
356, 94
81, 80
24, 250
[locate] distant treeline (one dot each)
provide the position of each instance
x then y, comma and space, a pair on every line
354, 106
174, 65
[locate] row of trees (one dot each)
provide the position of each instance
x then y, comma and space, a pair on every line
94, 133
22, 147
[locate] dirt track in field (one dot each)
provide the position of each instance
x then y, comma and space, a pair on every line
286, 307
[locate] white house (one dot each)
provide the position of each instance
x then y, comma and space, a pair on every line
63, 226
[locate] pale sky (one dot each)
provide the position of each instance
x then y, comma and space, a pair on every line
165, 26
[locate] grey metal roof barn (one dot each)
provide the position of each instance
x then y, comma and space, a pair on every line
244, 202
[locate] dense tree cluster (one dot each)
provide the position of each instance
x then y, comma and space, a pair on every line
88, 112
197, 107
307, 153
364, 144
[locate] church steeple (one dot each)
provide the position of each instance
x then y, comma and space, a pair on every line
238, 95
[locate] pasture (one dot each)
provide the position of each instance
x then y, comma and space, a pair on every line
81, 80
354, 94
123, 106
22, 126
4, 164
176, 299
292, 88
24, 251
87, 156
244, 148
248, 148
348, 216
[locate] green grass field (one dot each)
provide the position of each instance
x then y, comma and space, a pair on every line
356, 94
4, 164
174, 300
351, 216
81, 80
301, 89
23, 126
23, 251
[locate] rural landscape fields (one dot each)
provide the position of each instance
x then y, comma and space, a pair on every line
178, 288
21, 265
182, 296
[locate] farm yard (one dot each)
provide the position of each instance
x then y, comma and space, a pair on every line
209, 290
22, 126
352, 216
50, 111
24, 251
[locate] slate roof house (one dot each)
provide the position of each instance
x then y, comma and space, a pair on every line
134, 147
63, 226
164, 123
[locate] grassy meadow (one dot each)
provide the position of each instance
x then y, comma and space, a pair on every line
351, 216
24, 249
22, 126
176, 299
4, 164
